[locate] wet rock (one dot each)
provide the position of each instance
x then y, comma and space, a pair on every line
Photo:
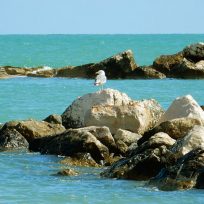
12, 139
194, 52
67, 172
80, 159
19, 71
124, 139
3, 74
189, 70
186, 173
32, 129
72, 72
137, 116
43, 73
73, 116
183, 107
74, 141
176, 128
146, 73
117, 66
166, 63
54, 119
144, 162
193, 140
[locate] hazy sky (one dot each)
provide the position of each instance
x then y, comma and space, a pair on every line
101, 16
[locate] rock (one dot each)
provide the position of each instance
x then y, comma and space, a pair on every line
72, 72
166, 63
73, 116
176, 128
102, 134
118, 66
193, 140
3, 74
32, 129
194, 52
183, 107
20, 71
144, 162
124, 139
67, 172
42, 73
189, 70
74, 141
80, 159
54, 119
186, 173
137, 116
146, 73
12, 139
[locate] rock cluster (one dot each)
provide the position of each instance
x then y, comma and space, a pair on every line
136, 139
188, 63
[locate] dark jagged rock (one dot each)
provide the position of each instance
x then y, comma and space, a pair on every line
194, 52
185, 173
144, 162
72, 72
54, 119
74, 141
166, 63
117, 66
12, 139
146, 73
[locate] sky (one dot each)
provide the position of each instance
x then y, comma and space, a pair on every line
101, 16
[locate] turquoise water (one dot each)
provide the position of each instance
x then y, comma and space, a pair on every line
28, 177
62, 50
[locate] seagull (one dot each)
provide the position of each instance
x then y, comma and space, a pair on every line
100, 79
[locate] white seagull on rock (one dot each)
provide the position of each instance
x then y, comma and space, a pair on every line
100, 79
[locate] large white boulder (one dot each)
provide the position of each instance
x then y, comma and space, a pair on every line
193, 140
183, 107
74, 115
137, 116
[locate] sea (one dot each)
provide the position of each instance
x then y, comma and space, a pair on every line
28, 177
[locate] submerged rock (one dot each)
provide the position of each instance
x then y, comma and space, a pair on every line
67, 172
80, 159
73, 116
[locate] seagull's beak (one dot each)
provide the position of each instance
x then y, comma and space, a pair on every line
96, 73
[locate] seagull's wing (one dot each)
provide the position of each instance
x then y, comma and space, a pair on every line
100, 79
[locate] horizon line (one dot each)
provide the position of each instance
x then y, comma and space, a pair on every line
101, 33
